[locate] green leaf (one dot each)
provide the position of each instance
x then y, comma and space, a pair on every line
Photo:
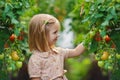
87, 0
100, 1
92, 8
10, 14
86, 19
19, 12
93, 46
16, 31
103, 33
113, 12
116, 39
105, 23
99, 15
4, 38
7, 8
2, 3
109, 16
14, 21
115, 74
101, 8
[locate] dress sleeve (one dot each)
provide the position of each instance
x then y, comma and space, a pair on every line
66, 52
34, 67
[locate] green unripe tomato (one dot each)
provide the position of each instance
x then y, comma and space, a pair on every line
18, 64
92, 33
9, 68
118, 56
101, 64
22, 58
110, 67
97, 57
1, 56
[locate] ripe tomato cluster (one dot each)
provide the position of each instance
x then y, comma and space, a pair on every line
12, 56
13, 37
106, 53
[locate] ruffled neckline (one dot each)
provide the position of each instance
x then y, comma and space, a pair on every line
45, 54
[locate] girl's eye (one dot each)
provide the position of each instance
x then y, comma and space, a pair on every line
55, 32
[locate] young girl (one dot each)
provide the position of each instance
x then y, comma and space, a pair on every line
47, 61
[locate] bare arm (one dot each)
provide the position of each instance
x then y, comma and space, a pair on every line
77, 51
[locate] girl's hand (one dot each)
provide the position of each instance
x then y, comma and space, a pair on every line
88, 38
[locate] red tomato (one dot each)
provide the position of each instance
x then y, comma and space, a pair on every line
107, 38
22, 32
12, 37
113, 46
98, 37
6, 45
20, 37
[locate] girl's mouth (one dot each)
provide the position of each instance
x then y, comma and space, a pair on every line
55, 39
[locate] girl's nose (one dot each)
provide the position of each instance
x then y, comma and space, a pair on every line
58, 34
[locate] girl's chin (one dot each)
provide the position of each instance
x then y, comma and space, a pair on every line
53, 44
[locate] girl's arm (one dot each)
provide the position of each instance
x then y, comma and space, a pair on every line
80, 48
77, 51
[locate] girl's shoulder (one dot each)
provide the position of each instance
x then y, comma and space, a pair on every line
37, 54
60, 49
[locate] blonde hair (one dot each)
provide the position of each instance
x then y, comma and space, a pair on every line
38, 31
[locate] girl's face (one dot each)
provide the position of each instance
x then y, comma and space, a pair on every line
53, 34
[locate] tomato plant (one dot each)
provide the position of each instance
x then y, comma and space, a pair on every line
106, 43
11, 44
102, 15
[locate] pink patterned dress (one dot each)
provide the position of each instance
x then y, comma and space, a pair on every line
48, 66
